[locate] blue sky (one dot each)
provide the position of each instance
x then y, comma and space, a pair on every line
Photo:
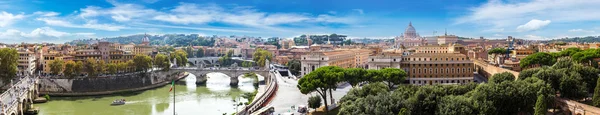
64, 20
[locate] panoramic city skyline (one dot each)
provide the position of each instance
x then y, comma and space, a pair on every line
59, 21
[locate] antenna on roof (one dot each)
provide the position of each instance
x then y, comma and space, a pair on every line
445, 32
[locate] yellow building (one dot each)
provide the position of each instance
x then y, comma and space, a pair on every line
47, 59
429, 65
316, 59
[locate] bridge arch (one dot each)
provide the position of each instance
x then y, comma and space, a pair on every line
233, 74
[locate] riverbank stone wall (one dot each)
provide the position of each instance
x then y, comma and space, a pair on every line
106, 84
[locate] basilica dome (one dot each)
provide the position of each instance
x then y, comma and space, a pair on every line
410, 31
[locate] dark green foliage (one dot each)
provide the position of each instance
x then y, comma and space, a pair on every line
314, 102
200, 52
8, 64
528, 73
572, 86
586, 56
273, 41
321, 80
571, 79
568, 52
456, 105
294, 66
596, 97
551, 76
541, 105
392, 76
369, 89
497, 51
539, 58
502, 77
380, 104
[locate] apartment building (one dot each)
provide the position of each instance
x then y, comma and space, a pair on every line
26, 63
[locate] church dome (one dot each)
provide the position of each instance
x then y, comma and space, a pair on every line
410, 31
145, 40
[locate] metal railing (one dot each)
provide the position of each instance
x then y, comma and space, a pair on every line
258, 102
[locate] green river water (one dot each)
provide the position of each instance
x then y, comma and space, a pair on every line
215, 98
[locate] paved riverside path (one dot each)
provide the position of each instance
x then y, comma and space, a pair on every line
288, 95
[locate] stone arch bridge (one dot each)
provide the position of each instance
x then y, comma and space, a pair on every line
19, 97
232, 73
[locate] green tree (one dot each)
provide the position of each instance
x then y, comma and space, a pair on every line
586, 56
189, 51
314, 102
78, 68
497, 51
8, 63
321, 80
69, 71
572, 86
260, 57
568, 52
596, 97
373, 75
541, 105
142, 63
122, 67
111, 68
539, 58
528, 73
101, 68
393, 76
162, 61
56, 66
502, 77
131, 67
200, 53
354, 76
294, 66
456, 105
230, 53
90, 67
181, 57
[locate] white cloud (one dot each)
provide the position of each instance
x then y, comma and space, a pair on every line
334, 19
582, 30
8, 18
534, 37
90, 24
120, 12
500, 13
494, 30
89, 11
41, 34
534, 24
46, 14
188, 13
360, 11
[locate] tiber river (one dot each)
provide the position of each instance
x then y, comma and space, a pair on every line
216, 98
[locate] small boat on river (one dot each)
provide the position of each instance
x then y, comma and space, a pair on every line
118, 102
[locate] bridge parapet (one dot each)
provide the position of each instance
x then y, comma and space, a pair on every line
18, 97
232, 73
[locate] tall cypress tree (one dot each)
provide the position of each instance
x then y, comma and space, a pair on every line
541, 105
596, 98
